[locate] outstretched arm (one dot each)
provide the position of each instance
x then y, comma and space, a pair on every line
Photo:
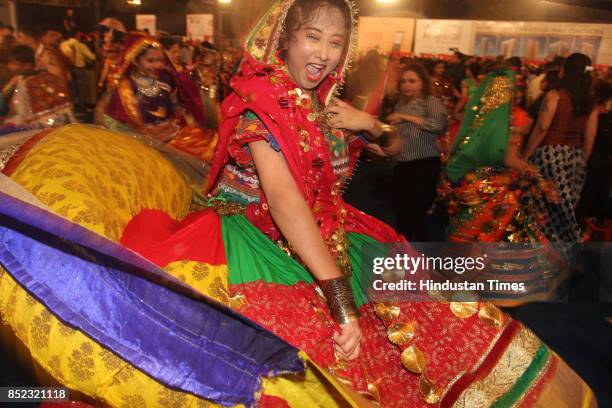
296, 222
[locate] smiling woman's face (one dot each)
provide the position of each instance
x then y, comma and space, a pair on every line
315, 49
150, 62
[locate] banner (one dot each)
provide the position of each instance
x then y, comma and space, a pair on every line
200, 27
385, 35
531, 40
146, 21
439, 36
543, 40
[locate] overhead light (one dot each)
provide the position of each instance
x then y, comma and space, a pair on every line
134, 2
225, 1
386, 1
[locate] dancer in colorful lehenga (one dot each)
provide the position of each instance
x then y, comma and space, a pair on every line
489, 190
33, 97
278, 233
153, 99
487, 177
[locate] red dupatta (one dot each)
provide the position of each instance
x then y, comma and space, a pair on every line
264, 87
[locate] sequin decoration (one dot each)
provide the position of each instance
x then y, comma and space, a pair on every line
401, 333
414, 360
499, 93
387, 311
464, 309
490, 314
429, 391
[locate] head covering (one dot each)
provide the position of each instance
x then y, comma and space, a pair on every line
113, 23
483, 137
264, 87
263, 44
134, 43
262, 82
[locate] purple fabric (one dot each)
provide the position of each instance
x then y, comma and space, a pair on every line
125, 303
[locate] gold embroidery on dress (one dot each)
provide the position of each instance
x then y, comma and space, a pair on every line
110, 360
511, 365
225, 207
171, 398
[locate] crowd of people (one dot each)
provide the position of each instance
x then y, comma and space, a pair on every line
67, 76
501, 150
427, 99
88, 64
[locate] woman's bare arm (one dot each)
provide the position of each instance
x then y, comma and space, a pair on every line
463, 100
590, 132
512, 158
545, 117
101, 107
291, 213
296, 222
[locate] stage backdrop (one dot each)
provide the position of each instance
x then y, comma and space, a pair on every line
385, 34
540, 40
148, 21
200, 27
533, 40
438, 36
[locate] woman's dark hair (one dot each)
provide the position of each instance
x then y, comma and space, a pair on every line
118, 36
515, 62
435, 64
421, 73
475, 68
602, 91
552, 79
22, 54
30, 31
168, 42
144, 50
578, 82
304, 11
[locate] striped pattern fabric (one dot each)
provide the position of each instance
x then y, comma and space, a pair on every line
420, 141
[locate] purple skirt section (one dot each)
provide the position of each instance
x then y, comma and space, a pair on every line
181, 339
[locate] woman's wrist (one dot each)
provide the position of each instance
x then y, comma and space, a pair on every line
340, 300
381, 133
373, 128
415, 119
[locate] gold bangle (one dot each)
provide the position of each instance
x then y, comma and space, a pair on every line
340, 300
388, 134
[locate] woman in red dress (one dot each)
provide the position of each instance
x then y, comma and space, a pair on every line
290, 247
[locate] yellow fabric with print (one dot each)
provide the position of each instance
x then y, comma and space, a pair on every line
101, 179
79, 363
